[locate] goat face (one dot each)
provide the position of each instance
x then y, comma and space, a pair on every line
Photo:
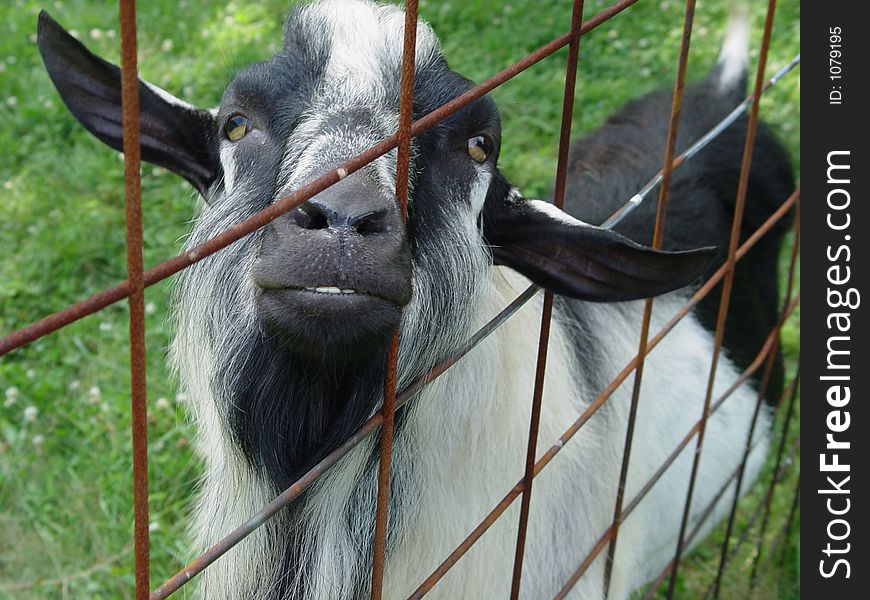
331, 281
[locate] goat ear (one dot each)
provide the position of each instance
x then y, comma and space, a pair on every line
173, 134
579, 260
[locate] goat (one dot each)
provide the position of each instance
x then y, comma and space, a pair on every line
280, 338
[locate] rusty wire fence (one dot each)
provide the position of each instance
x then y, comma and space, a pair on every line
140, 278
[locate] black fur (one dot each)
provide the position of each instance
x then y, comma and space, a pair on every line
613, 163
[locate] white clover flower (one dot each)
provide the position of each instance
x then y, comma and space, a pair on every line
162, 403
12, 392
11, 101
153, 526
38, 439
95, 34
150, 308
94, 395
105, 326
167, 45
31, 373
74, 385
30, 414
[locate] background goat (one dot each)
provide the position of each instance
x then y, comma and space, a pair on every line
280, 338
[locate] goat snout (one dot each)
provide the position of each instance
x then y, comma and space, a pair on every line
336, 271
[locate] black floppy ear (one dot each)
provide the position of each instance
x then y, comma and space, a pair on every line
576, 259
173, 133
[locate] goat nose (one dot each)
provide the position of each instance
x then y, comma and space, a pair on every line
353, 205
319, 215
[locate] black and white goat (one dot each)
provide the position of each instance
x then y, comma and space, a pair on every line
280, 338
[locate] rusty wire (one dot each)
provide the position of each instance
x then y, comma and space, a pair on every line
133, 288
658, 236
403, 160
136, 297
742, 187
768, 497
785, 530
547, 310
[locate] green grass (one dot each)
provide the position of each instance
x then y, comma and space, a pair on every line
65, 483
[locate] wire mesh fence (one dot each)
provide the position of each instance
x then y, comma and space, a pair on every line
383, 420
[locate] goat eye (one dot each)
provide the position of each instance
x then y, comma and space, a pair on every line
479, 148
236, 128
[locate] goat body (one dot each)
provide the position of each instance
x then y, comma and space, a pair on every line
280, 338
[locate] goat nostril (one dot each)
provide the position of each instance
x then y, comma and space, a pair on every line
371, 223
309, 216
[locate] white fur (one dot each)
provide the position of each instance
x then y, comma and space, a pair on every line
366, 36
555, 213
734, 55
169, 98
478, 190
228, 164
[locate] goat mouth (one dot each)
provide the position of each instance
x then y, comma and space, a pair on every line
329, 291
328, 320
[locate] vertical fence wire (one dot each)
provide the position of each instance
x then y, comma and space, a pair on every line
762, 390
658, 235
547, 312
786, 529
768, 497
403, 159
132, 190
742, 188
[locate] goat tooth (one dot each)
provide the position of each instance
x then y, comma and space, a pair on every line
348, 291
328, 290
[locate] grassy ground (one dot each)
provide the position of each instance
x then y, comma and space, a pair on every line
65, 497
